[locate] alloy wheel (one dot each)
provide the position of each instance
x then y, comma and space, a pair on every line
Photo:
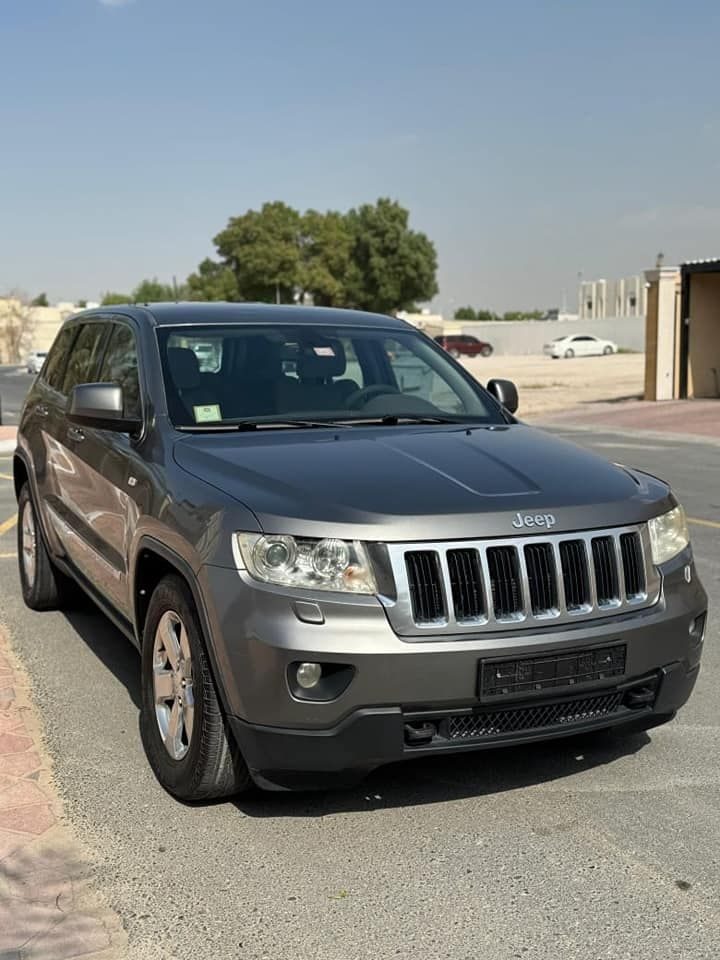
173, 684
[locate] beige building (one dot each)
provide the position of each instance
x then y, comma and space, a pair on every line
34, 327
602, 299
682, 353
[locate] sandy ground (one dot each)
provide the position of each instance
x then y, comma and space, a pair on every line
548, 385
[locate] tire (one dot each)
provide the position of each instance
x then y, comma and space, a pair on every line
486, 350
569, 354
40, 582
607, 351
198, 758
454, 353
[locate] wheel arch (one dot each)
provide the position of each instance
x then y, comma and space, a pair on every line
152, 562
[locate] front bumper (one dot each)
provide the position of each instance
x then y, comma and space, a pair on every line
290, 742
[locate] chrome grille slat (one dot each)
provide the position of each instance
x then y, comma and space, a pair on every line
471, 586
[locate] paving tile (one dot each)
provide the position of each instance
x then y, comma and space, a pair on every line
22, 792
13, 743
19, 764
10, 723
51, 886
75, 936
34, 818
20, 921
9, 843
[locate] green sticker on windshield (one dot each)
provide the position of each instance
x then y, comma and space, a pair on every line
207, 413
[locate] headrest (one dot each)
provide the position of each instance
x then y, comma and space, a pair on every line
321, 360
184, 367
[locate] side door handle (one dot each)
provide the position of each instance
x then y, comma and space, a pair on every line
41, 410
76, 434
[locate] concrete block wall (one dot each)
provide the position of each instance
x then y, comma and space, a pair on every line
527, 337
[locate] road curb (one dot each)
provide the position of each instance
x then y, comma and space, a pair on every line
616, 430
47, 906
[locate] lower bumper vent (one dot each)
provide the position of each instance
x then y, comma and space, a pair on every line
478, 725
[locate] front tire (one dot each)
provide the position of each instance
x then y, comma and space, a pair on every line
486, 351
39, 581
569, 354
186, 738
607, 351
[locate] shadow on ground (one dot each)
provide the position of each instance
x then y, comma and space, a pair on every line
414, 782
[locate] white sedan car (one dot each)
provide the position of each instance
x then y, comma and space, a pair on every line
579, 345
35, 361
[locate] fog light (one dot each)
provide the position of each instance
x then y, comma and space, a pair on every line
308, 675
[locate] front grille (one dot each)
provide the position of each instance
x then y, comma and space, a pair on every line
505, 582
474, 586
606, 578
426, 594
575, 574
475, 726
541, 578
632, 564
466, 584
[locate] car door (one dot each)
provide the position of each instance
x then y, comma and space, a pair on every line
107, 468
66, 468
580, 346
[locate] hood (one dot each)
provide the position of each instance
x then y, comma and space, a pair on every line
419, 483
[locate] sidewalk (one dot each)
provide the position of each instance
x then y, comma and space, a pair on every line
7, 445
48, 910
690, 419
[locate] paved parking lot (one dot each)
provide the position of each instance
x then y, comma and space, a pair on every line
580, 848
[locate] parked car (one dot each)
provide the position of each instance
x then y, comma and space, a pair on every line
464, 345
35, 361
579, 345
344, 565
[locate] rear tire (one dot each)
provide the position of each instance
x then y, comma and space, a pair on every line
455, 353
486, 350
569, 354
39, 580
186, 737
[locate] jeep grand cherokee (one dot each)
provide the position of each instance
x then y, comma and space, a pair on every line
335, 549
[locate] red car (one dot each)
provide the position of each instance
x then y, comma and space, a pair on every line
460, 344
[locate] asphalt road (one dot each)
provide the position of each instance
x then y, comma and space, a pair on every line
580, 848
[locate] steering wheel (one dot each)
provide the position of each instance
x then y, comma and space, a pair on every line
359, 398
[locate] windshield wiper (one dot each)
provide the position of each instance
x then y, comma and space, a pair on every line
394, 419
248, 424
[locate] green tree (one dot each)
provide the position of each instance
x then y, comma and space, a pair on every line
213, 281
486, 316
465, 313
81, 304
326, 248
263, 250
152, 291
110, 298
519, 315
392, 266
40, 300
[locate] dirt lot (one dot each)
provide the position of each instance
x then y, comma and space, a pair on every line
548, 385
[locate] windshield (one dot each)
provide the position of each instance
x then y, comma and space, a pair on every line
259, 373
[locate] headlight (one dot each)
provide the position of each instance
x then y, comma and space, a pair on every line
328, 564
668, 535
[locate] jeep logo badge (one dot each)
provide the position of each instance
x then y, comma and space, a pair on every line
534, 520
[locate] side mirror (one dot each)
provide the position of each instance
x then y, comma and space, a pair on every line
100, 405
505, 392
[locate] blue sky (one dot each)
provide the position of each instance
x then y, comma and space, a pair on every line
531, 139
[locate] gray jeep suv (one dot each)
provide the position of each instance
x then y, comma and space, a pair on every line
334, 549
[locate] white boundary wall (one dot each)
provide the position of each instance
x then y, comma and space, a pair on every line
528, 336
